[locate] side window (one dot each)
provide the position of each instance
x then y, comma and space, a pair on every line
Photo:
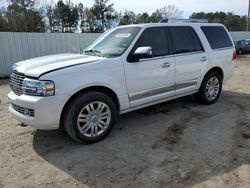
217, 37
156, 38
185, 40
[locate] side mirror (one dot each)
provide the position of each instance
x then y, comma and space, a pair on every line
143, 52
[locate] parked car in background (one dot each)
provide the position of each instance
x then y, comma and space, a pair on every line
242, 46
125, 69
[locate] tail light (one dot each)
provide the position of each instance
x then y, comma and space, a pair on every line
234, 56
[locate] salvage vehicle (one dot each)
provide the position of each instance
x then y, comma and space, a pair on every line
125, 69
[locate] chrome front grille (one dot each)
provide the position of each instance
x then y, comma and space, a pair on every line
22, 110
16, 83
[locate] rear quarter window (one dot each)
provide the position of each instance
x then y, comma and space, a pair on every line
217, 37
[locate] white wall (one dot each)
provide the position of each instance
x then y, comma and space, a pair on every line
15, 47
240, 35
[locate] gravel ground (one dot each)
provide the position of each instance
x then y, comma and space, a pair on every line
174, 144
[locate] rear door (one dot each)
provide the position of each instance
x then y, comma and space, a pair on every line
190, 58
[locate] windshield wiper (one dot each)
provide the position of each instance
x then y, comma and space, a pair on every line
95, 52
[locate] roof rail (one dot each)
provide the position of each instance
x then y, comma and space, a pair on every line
166, 20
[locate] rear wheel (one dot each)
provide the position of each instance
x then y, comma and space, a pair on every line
90, 117
210, 89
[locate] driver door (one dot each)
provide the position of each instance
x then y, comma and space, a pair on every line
150, 79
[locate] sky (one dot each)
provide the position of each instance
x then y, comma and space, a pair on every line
188, 6
239, 7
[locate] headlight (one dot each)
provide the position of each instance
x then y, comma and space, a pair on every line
38, 87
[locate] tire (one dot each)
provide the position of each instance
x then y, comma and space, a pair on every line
209, 93
94, 111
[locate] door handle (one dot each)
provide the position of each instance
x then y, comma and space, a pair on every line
165, 65
203, 59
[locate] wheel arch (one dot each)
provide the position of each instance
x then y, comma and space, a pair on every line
102, 89
215, 69
200, 95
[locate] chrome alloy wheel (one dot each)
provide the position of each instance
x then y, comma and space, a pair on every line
94, 119
212, 88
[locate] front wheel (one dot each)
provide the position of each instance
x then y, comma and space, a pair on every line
210, 89
90, 117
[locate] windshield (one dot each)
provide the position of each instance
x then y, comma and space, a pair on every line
113, 43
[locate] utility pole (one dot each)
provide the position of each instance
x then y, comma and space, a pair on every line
248, 14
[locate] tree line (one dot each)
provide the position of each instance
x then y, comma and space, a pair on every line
231, 21
65, 16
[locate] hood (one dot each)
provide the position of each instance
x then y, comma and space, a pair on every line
37, 66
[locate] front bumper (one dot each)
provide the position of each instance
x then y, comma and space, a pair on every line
47, 110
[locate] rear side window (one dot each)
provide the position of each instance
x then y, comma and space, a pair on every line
185, 40
156, 38
217, 37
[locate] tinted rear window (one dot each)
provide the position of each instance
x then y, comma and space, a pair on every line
217, 37
185, 40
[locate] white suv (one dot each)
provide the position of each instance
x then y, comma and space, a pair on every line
125, 69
